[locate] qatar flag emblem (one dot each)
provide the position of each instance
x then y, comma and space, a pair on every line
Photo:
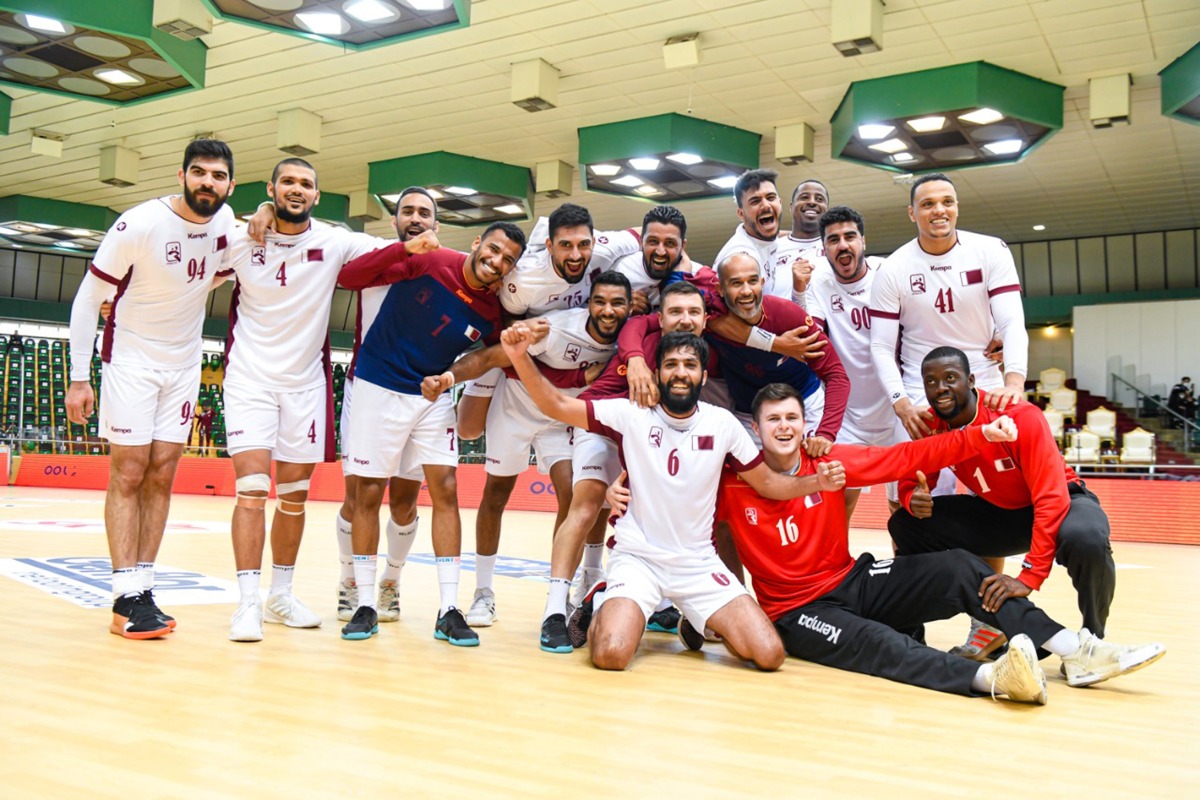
752, 515
472, 333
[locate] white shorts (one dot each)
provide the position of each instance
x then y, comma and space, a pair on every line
512, 429
407, 470
485, 385
814, 408
290, 424
699, 590
594, 458
405, 430
849, 434
140, 405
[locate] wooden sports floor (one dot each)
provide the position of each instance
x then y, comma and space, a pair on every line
305, 714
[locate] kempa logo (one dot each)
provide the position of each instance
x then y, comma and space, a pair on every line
197, 235
830, 632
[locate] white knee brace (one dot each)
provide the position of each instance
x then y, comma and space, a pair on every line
292, 508
252, 483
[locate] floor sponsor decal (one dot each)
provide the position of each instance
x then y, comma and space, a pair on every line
87, 581
94, 525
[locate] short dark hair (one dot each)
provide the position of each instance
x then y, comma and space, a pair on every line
666, 215
796, 191
417, 190
750, 180
952, 353
612, 278
569, 215
842, 214
294, 162
208, 148
508, 229
679, 287
774, 392
930, 178
682, 340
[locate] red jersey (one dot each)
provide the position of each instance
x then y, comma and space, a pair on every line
1028, 472
798, 550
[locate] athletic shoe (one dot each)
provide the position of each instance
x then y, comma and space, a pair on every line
363, 625
981, 642
286, 608
1097, 660
692, 639
581, 617
665, 621
347, 599
134, 618
389, 601
1017, 674
554, 635
247, 622
454, 629
165, 617
590, 578
483, 609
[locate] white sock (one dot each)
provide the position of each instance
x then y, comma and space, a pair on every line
146, 571
663, 605
485, 570
248, 584
593, 556
126, 582
400, 540
982, 682
281, 577
447, 571
1062, 643
345, 548
556, 600
364, 576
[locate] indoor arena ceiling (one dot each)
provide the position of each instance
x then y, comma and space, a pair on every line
764, 64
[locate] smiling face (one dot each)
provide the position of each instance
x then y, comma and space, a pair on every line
950, 390
844, 247
662, 248
809, 202
294, 190
935, 210
207, 183
492, 258
682, 312
741, 287
759, 211
570, 251
415, 214
680, 376
608, 308
780, 426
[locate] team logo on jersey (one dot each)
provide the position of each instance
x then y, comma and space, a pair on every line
808, 321
752, 515
174, 252
656, 434
622, 370
836, 303
422, 297
572, 352
314, 254
120, 226
720, 578
702, 442
1005, 464
512, 288
258, 256
972, 277
472, 333
917, 283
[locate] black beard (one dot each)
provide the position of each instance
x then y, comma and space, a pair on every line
664, 274
570, 279
678, 405
204, 208
282, 213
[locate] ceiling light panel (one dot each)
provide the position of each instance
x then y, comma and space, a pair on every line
357, 24
469, 191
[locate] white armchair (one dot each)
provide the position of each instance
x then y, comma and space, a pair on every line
1049, 380
1103, 422
1054, 419
1085, 448
1063, 401
1137, 447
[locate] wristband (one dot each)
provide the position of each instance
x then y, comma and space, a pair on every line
760, 339
451, 374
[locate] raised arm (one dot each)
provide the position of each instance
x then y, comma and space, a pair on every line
550, 401
389, 264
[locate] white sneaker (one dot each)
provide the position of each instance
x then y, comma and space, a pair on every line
483, 609
247, 622
347, 599
590, 578
388, 607
1017, 674
981, 642
1097, 660
286, 608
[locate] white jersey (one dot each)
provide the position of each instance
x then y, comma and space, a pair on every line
764, 254
567, 346
633, 267
534, 287
279, 313
959, 299
162, 268
788, 249
843, 309
674, 469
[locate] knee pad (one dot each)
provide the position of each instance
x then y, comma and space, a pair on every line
293, 508
258, 482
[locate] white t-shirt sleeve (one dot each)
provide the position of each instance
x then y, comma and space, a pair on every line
120, 248
1008, 313
611, 246
741, 447
885, 331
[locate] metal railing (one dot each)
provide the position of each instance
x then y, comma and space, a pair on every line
1142, 400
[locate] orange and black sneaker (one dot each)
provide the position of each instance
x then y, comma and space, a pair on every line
158, 612
134, 618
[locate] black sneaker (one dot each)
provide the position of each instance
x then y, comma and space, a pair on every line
134, 618
454, 629
665, 621
581, 618
363, 625
165, 617
554, 634
692, 639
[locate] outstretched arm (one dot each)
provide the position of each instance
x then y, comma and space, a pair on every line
830, 477
550, 401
